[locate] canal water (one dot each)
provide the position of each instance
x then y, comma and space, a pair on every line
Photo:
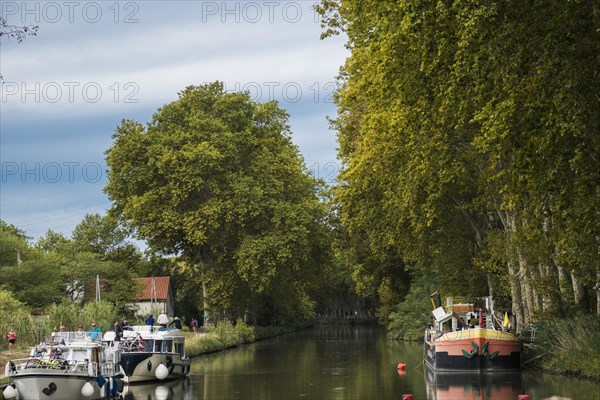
347, 362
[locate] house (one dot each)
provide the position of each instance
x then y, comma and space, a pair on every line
155, 296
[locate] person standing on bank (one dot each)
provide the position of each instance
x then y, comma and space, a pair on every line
12, 338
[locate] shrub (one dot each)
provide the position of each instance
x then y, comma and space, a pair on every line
245, 332
13, 314
568, 346
411, 317
196, 344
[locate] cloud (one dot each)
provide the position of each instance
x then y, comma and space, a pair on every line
67, 89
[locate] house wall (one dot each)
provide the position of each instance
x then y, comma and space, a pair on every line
145, 308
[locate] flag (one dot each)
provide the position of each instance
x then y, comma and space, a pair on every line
506, 320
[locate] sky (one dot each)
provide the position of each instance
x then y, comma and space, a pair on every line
94, 63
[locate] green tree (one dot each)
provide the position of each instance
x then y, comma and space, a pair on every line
103, 235
37, 282
54, 242
216, 179
468, 137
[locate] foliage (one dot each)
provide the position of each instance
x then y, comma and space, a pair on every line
15, 31
569, 346
13, 314
410, 317
64, 314
246, 333
215, 178
116, 282
103, 235
38, 282
103, 313
71, 315
468, 136
202, 344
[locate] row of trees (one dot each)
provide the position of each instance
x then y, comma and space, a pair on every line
56, 268
469, 135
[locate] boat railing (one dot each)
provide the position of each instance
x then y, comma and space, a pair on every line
14, 367
64, 338
20, 364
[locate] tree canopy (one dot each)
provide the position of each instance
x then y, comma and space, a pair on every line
469, 138
216, 179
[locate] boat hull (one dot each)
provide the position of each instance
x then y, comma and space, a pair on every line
474, 350
141, 367
39, 386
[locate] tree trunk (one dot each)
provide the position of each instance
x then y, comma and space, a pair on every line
597, 287
515, 293
203, 272
563, 285
578, 293
518, 309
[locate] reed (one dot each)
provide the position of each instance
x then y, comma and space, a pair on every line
569, 346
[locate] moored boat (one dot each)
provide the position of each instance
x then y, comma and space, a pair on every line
79, 369
469, 337
151, 353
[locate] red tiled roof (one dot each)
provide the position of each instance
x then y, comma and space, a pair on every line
161, 283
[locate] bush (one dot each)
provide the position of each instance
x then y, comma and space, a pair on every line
65, 314
13, 314
226, 333
411, 317
196, 345
102, 313
245, 332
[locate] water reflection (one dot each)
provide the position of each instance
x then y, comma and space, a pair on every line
473, 386
171, 390
346, 363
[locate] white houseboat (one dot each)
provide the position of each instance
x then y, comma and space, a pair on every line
151, 353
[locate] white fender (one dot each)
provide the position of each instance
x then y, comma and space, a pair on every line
87, 390
161, 372
10, 392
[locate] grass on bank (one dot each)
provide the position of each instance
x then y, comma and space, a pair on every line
567, 346
224, 335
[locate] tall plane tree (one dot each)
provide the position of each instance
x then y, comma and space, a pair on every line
215, 178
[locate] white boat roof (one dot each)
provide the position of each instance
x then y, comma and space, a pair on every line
156, 333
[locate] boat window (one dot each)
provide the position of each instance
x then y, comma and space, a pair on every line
148, 346
158, 346
166, 346
179, 349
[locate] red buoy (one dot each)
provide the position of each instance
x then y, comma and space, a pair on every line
407, 397
523, 397
401, 366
